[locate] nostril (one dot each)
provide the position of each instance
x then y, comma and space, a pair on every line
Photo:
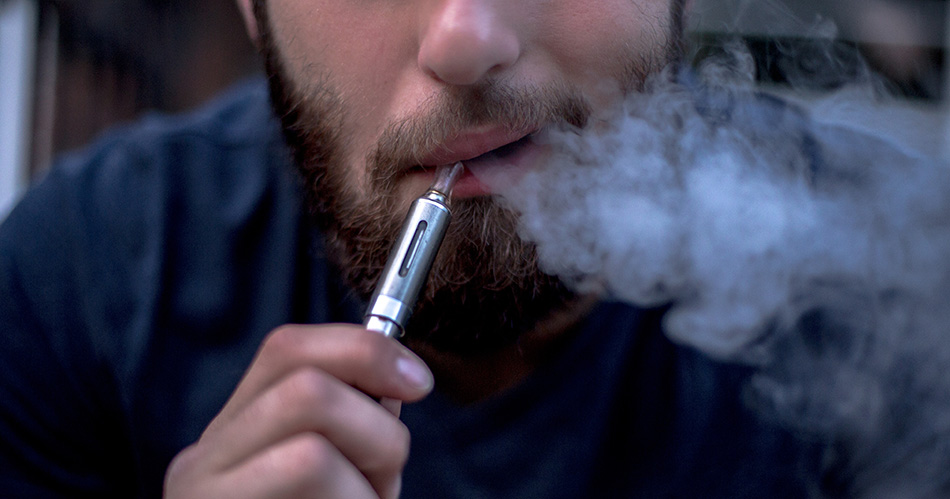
463, 51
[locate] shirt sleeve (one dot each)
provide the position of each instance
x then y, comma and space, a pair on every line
56, 396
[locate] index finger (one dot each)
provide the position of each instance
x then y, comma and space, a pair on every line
366, 360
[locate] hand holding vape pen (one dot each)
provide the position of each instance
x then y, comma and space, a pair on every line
412, 255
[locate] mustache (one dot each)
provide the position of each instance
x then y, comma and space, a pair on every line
404, 143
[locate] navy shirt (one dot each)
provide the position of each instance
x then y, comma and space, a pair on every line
139, 277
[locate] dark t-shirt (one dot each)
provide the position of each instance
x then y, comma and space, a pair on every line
139, 277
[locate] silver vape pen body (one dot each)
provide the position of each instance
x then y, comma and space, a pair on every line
411, 258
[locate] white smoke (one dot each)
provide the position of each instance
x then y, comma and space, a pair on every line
808, 238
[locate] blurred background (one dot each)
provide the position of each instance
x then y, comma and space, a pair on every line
71, 68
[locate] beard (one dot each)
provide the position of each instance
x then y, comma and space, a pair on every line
486, 288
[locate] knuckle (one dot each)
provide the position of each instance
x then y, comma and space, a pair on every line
280, 341
183, 460
401, 441
178, 470
312, 387
174, 471
312, 452
393, 450
309, 461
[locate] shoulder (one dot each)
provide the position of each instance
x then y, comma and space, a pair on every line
158, 167
145, 197
234, 133
239, 118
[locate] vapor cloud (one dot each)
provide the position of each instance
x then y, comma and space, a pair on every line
809, 239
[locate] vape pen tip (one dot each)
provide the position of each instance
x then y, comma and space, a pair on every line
446, 176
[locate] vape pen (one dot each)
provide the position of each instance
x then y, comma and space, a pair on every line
412, 256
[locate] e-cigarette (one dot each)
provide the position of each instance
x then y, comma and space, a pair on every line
412, 255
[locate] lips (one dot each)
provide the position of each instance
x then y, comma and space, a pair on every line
475, 144
485, 153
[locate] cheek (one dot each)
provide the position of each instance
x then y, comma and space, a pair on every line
366, 53
596, 42
311, 41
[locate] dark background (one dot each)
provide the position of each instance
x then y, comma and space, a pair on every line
103, 62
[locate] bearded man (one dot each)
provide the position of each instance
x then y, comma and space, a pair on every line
148, 284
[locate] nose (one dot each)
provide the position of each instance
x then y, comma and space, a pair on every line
465, 41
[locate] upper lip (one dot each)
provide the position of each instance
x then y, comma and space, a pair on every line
471, 144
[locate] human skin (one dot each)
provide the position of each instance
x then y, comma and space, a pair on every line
387, 61
303, 421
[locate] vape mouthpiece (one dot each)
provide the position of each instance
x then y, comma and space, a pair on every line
445, 178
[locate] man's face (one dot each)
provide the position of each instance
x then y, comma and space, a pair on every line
374, 94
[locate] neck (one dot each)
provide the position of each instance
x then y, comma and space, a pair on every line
469, 379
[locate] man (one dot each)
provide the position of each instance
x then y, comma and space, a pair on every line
145, 283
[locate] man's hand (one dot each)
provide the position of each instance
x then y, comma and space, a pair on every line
303, 422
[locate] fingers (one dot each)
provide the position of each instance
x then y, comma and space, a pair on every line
304, 420
393, 406
311, 401
306, 465
366, 360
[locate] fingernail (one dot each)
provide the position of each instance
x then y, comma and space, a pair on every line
414, 373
